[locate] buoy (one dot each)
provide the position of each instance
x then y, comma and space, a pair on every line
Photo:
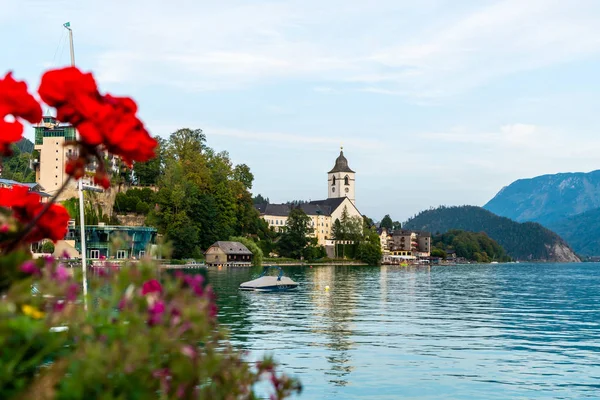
326, 287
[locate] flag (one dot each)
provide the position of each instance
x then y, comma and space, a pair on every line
67, 24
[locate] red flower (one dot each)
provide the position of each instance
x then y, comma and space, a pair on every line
15, 101
155, 313
106, 120
102, 180
151, 286
75, 167
26, 206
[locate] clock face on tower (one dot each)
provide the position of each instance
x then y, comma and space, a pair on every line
347, 190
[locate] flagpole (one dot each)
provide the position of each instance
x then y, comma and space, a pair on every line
67, 25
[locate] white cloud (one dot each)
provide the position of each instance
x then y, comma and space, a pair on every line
426, 49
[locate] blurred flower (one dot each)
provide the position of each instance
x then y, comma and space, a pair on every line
61, 274
15, 101
156, 312
189, 351
31, 311
72, 292
26, 206
151, 286
30, 268
101, 120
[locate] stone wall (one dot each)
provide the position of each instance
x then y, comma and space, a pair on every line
131, 219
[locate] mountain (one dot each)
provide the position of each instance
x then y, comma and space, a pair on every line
549, 198
25, 145
581, 231
522, 241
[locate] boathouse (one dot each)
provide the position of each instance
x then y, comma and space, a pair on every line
228, 254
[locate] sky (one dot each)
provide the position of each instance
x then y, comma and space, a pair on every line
436, 102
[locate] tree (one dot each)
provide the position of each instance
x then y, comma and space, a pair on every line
259, 199
147, 173
294, 239
48, 247
241, 173
435, 252
257, 253
396, 226
387, 222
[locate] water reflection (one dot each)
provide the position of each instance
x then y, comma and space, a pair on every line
501, 331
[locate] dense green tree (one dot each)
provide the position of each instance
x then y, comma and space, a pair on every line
348, 228
469, 245
259, 199
204, 186
386, 222
435, 252
523, 241
293, 241
242, 174
147, 173
396, 226
48, 247
257, 254
18, 165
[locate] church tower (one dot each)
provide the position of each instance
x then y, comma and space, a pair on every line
340, 180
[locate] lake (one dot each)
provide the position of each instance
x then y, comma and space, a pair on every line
454, 332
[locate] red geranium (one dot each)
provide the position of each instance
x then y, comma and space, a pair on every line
26, 206
100, 119
15, 101
151, 286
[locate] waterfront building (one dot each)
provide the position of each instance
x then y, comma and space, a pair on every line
228, 254
135, 241
54, 143
404, 244
323, 213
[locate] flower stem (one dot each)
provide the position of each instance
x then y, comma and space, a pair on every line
33, 222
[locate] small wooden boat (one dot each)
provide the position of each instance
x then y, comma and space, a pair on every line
269, 283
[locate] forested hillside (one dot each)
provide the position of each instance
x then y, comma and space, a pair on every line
469, 245
522, 241
202, 197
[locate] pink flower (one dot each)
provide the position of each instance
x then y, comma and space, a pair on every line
189, 351
180, 391
72, 292
61, 274
151, 286
30, 268
156, 312
59, 306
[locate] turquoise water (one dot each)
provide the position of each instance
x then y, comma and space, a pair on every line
454, 332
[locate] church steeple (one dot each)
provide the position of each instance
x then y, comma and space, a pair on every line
341, 163
340, 180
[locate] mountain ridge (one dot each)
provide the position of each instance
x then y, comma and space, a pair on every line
527, 241
548, 198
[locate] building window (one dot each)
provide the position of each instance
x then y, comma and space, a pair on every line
94, 253
346, 180
121, 254
333, 181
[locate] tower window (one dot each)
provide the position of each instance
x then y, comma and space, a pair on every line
346, 180
333, 182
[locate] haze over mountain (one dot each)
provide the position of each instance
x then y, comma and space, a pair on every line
566, 203
522, 241
548, 198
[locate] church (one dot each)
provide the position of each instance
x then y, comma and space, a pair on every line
323, 213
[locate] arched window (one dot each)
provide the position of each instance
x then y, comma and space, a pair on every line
346, 180
333, 182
